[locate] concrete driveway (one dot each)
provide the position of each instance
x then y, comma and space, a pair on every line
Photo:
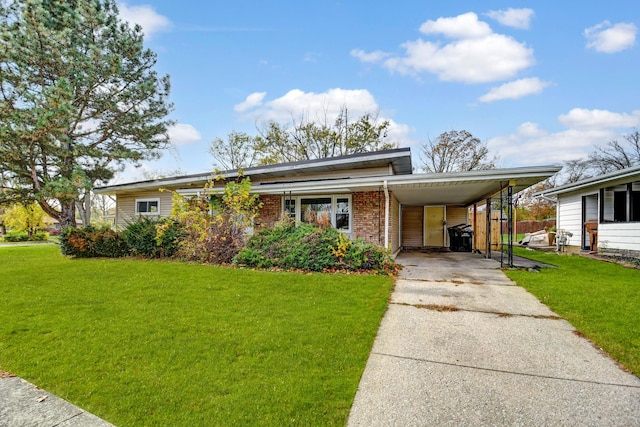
462, 345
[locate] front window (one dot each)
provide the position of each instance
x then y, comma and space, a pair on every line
147, 206
342, 214
316, 210
334, 211
290, 207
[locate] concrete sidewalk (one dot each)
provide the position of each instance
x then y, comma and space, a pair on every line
22, 404
462, 345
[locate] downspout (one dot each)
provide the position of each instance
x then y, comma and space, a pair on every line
386, 214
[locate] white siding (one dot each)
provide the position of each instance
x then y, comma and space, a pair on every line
569, 217
619, 235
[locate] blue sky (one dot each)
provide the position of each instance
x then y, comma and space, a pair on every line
540, 82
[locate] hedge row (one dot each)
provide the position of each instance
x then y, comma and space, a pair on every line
288, 246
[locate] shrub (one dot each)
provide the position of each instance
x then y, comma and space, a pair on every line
89, 242
214, 228
168, 236
39, 236
308, 247
140, 235
16, 236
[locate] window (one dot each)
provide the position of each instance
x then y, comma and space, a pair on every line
326, 210
620, 206
620, 203
147, 206
315, 210
290, 207
342, 214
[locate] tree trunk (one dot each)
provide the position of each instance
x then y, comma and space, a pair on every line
67, 215
85, 208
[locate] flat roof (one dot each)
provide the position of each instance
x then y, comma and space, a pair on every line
398, 158
457, 188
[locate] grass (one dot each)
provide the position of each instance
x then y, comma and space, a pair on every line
601, 299
164, 343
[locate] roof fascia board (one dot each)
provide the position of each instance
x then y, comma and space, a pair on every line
347, 184
596, 181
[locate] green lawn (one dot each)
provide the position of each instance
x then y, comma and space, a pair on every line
166, 343
601, 299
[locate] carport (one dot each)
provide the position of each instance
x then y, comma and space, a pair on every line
430, 203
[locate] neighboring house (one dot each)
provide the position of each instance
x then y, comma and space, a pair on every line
53, 227
602, 213
374, 196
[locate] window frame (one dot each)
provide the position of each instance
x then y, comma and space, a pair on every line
148, 200
334, 201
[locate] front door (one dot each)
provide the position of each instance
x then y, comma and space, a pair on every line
434, 226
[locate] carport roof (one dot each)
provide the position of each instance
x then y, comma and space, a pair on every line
459, 188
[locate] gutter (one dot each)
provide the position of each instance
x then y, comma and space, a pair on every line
386, 214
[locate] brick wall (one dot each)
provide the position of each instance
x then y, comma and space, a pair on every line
368, 216
270, 211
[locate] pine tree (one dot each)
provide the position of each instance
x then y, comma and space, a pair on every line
78, 98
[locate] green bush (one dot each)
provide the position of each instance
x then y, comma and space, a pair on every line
153, 238
16, 236
39, 236
90, 242
304, 246
169, 233
140, 235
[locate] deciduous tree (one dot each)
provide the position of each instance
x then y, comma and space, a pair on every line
616, 155
78, 97
613, 156
29, 218
456, 151
303, 139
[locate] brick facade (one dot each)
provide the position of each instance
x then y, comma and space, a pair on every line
368, 216
270, 211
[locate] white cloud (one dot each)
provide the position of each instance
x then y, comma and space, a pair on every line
375, 56
516, 18
315, 106
581, 118
476, 60
252, 101
476, 55
183, 134
531, 145
463, 26
150, 21
322, 107
515, 89
608, 38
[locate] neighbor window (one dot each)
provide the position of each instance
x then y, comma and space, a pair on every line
620, 203
147, 206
